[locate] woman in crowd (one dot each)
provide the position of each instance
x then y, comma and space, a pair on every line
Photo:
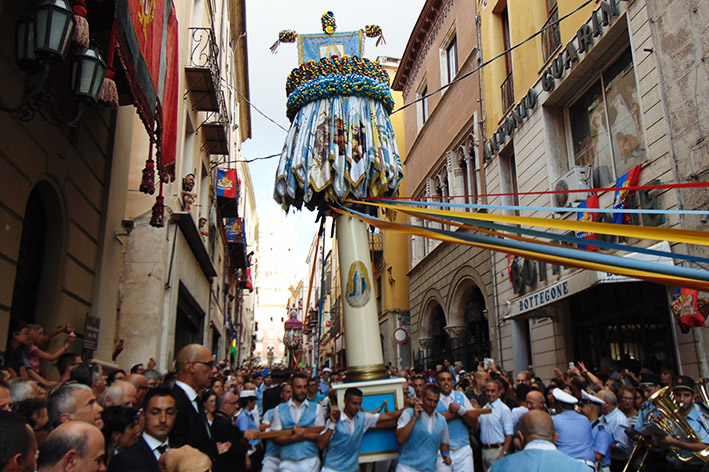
209, 402
121, 429
626, 403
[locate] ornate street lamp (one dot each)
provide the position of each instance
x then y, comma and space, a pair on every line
42, 38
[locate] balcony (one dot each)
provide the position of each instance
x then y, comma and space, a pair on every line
551, 34
202, 70
215, 128
376, 243
508, 93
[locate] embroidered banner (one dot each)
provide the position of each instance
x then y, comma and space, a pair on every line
226, 183
147, 45
313, 47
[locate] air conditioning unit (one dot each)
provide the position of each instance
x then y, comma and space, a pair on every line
578, 178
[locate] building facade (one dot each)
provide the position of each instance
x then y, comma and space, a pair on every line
449, 285
594, 98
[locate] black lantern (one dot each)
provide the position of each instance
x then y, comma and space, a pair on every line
53, 27
88, 73
24, 43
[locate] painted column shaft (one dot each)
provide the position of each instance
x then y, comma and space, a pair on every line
362, 338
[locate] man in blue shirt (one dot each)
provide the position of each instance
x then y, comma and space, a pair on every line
649, 385
325, 381
343, 433
457, 410
590, 407
497, 427
683, 390
247, 420
574, 430
536, 431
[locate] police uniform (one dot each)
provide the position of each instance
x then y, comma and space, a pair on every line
698, 421
602, 438
574, 430
655, 460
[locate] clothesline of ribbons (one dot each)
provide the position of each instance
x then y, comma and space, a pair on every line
492, 234
629, 188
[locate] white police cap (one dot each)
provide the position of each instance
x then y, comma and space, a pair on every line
564, 397
591, 398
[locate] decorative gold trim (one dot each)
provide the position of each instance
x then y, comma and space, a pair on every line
383, 406
362, 373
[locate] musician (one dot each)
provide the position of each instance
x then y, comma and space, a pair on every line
683, 390
649, 385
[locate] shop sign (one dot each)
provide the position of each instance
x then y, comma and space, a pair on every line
524, 274
552, 293
91, 330
601, 19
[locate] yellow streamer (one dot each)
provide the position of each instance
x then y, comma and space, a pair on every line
631, 231
648, 276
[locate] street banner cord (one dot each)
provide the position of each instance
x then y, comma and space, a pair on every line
551, 192
651, 272
631, 231
555, 238
475, 206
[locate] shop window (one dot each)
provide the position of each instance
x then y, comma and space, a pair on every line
604, 124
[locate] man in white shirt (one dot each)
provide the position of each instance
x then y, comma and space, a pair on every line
422, 433
299, 452
496, 428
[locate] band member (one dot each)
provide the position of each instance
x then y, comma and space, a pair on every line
683, 390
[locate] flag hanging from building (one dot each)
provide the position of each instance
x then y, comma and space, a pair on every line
147, 45
684, 306
590, 202
226, 183
629, 179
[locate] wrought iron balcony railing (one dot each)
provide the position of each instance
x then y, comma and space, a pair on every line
202, 69
508, 93
551, 34
216, 128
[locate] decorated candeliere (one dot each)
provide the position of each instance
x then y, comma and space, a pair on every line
341, 146
292, 338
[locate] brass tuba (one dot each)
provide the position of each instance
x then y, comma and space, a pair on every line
666, 415
701, 388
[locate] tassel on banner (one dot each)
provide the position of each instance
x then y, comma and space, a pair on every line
81, 36
108, 94
147, 184
157, 219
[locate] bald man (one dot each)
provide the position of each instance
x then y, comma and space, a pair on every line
141, 386
535, 401
536, 431
195, 368
74, 446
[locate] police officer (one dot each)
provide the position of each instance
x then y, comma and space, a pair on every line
655, 461
683, 390
574, 430
590, 407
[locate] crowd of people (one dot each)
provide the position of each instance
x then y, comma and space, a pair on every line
204, 415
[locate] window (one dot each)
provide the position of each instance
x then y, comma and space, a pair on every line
605, 126
422, 105
551, 32
449, 58
507, 88
508, 177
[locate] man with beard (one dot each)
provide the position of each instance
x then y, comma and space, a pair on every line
158, 415
299, 452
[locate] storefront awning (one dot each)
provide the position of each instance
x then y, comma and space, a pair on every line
538, 304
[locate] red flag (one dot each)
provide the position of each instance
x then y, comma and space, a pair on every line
590, 202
